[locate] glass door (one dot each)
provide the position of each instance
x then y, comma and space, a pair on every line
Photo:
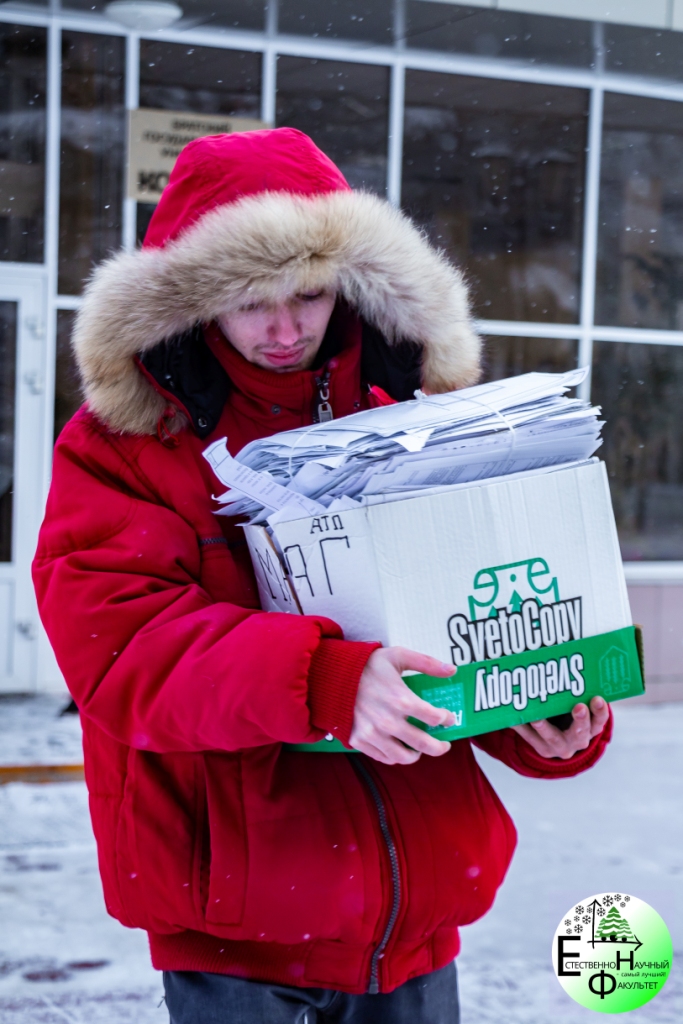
22, 446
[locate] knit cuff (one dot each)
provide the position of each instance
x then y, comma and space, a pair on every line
580, 762
336, 668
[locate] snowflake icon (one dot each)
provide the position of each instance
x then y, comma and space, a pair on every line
608, 901
567, 921
617, 897
576, 917
627, 898
586, 919
578, 928
622, 904
569, 931
579, 909
601, 911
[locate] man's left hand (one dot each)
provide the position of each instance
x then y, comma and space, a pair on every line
549, 741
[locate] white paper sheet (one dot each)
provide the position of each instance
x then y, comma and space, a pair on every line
508, 426
259, 487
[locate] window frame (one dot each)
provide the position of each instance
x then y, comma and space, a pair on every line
397, 58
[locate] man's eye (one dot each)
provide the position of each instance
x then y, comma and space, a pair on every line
310, 296
251, 307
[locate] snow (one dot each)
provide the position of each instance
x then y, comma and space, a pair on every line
54, 918
32, 731
617, 827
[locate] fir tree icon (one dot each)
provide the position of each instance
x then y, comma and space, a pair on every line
612, 928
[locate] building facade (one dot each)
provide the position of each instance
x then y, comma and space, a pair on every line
542, 149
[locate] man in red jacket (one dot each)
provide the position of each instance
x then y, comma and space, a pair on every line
272, 883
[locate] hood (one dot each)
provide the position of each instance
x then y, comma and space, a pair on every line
257, 216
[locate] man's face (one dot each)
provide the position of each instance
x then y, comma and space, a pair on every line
283, 337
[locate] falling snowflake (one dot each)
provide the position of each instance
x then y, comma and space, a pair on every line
579, 909
578, 928
627, 898
608, 901
617, 897
567, 921
569, 931
586, 919
601, 911
577, 918
622, 904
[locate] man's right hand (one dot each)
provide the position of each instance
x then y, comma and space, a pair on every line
384, 702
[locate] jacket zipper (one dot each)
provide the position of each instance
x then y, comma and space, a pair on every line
322, 412
361, 770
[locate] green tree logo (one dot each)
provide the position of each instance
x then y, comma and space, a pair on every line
615, 928
607, 962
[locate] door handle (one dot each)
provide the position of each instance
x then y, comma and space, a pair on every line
33, 379
26, 629
35, 326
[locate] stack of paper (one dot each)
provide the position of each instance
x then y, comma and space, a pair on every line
508, 426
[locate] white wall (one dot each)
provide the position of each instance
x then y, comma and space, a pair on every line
658, 608
646, 13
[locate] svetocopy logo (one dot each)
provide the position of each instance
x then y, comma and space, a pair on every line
612, 953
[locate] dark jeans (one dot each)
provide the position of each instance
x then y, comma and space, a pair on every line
196, 997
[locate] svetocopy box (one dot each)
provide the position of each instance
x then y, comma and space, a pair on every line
518, 581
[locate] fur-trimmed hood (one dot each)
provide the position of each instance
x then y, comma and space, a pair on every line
265, 246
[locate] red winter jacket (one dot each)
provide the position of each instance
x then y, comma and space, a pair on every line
237, 855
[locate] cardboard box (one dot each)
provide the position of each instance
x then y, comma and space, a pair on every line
516, 580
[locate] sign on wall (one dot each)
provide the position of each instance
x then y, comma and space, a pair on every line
155, 138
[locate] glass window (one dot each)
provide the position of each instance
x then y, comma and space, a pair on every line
201, 80
508, 357
487, 33
143, 215
246, 14
68, 397
22, 142
92, 156
640, 254
8, 366
92, 6
640, 51
344, 108
639, 388
369, 20
494, 171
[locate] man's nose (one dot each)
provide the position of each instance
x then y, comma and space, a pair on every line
284, 327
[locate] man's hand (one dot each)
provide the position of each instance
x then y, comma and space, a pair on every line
384, 702
549, 741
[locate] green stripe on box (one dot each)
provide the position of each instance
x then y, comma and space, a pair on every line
607, 665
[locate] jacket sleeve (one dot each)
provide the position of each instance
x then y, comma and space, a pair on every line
514, 751
146, 653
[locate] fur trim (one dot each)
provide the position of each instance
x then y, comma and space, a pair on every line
265, 248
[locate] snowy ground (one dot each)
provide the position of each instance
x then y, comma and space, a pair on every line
618, 827
32, 731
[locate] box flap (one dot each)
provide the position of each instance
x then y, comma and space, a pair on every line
331, 564
275, 590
